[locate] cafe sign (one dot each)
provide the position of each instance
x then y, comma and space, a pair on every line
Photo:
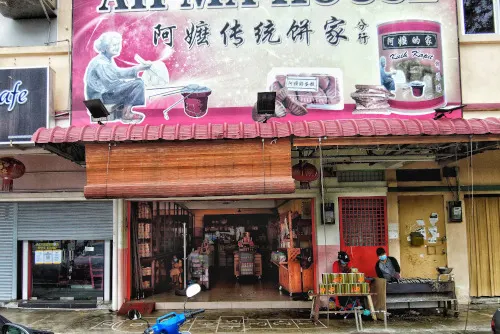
204, 61
25, 102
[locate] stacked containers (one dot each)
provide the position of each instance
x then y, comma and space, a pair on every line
339, 284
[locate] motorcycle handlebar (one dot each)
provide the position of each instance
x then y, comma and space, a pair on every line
193, 313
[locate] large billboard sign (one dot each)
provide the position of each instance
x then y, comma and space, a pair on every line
205, 61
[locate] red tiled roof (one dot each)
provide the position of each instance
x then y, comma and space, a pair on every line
330, 128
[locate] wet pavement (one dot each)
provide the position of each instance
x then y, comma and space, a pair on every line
239, 321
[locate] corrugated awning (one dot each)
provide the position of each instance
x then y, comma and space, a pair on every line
330, 128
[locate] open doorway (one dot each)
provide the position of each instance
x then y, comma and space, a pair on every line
252, 250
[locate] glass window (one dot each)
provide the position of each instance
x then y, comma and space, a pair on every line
68, 268
11, 329
479, 17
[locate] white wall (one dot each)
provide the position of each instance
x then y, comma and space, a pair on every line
32, 32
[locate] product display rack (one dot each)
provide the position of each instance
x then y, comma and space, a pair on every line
290, 278
156, 236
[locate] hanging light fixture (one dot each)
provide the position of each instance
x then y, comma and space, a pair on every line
10, 169
305, 173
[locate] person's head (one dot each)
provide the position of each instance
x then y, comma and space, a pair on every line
109, 44
383, 62
381, 254
343, 258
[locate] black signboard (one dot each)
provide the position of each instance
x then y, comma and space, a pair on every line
25, 102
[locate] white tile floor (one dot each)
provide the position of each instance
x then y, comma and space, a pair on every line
230, 294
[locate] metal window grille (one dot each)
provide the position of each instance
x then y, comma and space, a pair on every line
360, 175
363, 221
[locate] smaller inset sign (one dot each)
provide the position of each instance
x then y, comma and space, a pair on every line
304, 84
48, 257
39, 257
56, 256
409, 40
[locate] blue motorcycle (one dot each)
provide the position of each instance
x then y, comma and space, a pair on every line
170, 323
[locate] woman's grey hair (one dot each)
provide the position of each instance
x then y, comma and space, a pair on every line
102, 43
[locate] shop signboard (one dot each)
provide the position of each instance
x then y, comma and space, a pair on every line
205, 61
25, 102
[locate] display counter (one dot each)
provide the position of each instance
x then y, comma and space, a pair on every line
290, 276
415, 293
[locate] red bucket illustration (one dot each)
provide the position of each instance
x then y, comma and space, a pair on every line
196, 102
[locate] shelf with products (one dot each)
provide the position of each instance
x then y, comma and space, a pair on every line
156, 237
294, 233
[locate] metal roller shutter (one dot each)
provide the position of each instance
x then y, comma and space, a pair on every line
7, 249
65, 221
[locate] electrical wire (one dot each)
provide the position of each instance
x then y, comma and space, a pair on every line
322, 200
472, 215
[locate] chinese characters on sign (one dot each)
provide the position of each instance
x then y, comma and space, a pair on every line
165, 34
334, 31
197, 34
265, 32
300, 31
233, 33
362, 35
303, 84
413, 40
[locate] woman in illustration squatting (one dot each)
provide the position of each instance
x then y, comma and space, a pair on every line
386, 78
114, 85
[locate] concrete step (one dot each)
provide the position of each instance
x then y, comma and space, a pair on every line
222, 305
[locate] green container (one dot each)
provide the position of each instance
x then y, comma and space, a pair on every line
331, 278
351, 278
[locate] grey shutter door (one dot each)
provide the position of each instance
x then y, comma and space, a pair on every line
65, 220
7, 244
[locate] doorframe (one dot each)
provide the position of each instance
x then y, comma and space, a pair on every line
296, 196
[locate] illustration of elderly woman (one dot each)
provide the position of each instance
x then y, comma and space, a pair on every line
386, 78
113, 85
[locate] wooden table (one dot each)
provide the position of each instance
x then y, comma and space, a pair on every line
315, 312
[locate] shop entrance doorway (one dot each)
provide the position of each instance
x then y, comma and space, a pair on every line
363, 226
238, 251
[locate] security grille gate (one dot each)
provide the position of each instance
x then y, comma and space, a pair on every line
7, 250
363, 225
65, 220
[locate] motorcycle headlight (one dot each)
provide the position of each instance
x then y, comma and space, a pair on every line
149, 331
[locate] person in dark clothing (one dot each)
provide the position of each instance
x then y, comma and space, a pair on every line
342, 265
387, 266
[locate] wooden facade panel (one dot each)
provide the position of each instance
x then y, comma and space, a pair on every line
183, 169
483, 234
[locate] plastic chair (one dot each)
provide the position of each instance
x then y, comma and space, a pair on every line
96, 272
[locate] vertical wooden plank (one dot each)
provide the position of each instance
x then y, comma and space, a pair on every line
471, 248
491, 203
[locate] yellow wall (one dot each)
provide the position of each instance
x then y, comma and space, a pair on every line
482, 171
479, 70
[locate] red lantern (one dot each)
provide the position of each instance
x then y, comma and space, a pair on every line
304, 172
10, 169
